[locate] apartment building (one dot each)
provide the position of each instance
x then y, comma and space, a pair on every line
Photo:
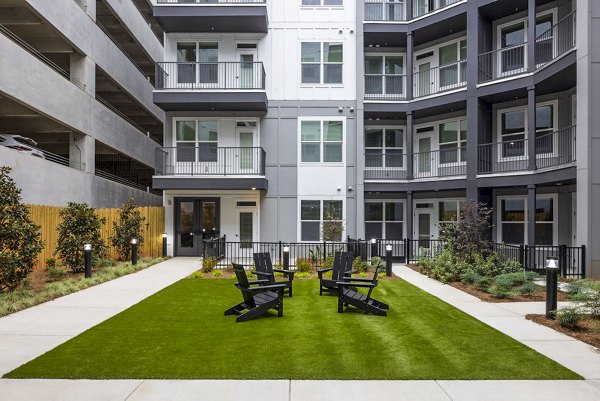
76, 77
383, 115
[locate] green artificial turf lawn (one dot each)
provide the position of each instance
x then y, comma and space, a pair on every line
181, 333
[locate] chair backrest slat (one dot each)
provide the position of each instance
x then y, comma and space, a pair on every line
342, 262
374, 280
243, 285
263, 264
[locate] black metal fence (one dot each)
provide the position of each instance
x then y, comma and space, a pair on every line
571, 259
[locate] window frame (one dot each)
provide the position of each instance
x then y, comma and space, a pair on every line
322, 64
322, 141
384, 76
435, 145
384, 219
554, 222
321, 201
321, 5
384, 147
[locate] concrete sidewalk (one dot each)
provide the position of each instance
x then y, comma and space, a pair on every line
32, 332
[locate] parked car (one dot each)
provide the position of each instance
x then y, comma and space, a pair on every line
22, 144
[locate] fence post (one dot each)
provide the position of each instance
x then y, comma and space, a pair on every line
562, 260
583, 261
324, 250
203, 249
522, 256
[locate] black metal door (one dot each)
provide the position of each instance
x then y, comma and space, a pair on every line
196, 220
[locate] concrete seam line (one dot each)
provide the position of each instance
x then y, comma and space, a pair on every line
134, 390
444, 390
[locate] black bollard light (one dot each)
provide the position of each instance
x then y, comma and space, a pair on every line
164, 237
373, 248
388, 260
87, 251
286, 258
551, 286
134, 251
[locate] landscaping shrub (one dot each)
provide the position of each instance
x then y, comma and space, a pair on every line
329, 261
79, 226
20, 237
102, 263
208, 264
303, 265
54, 272
359, 264
302, 275
569, 317
470, 277
128, 227
197, 274
217, 273
586, 292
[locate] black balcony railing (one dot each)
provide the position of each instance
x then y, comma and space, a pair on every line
385, 166
439, 163
556, 41
217, 2
210, 76
385, 86
553, 149
385, 10
210, 161
423, 7
440, 79
503, 63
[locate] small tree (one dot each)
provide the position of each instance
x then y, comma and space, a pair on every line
333, 227
20, 238
469, 236
128, 227
79, 226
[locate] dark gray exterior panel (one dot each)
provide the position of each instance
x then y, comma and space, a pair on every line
441, 184
221, 183
195, 18
563, 176
211, 101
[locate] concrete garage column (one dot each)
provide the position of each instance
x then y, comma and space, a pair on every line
83, 70
531, 125
531, 195
82, 152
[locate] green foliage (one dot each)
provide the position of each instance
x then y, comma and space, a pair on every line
470, 277
333, 227
363, 274
54, 272
329, 261
217, 273
303, 265
316, 254
102, 263
50, 262
569, 317
511, 280
208, 264
304, 274
128, 227
509, 285
586, 293
197, 274
501, 292
20, 238
79, 226
359, 264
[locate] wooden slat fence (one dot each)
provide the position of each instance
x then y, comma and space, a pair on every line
47, 218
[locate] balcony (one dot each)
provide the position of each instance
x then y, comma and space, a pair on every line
513, 60
439, 163
396, 10
444, 78
385, 166
214, 86
424, 7
207, 167
385, 87
215, 16
555, 149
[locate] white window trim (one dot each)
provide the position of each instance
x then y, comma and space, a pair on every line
524, 21
384, 148
320, 199
321, 63
435, 57
321, 6
383, 74
554, 223
321, 163
435, 213
384, 221
435, 143
498, 140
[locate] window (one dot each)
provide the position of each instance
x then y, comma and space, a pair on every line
449, 212
544, 126
384, 220
513, 130
316, 214
202, 135
321, 141
513, 220
384, 147
389, 10
321, 63
384, 75
322, 2
453, 141
197, 62
453, 64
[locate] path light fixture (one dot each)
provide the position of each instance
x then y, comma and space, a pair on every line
286, 257
373, 248
134, 251
388, 260
164, 243
551, 286
87, 251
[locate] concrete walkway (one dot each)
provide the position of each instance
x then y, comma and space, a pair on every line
32, 332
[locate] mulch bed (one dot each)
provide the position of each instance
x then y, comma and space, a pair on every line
588, 330
537, 296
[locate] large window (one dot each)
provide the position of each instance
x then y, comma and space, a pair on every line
384, 220
322, 2
449, 212
453, 141
321, 141
384, 147
384, 75
198, 62
453, 64
513, 220
321, 62
315, 215
513, 130
192, 135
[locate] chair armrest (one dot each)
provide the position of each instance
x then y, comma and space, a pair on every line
260, 273
258, 282
350, 271
286, 273
268, 287
324, 270
368, 280
350, 284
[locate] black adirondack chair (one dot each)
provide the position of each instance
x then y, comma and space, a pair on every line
264, 270
259, 297
342, 267
349, 295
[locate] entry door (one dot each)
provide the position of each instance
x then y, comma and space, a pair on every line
247, 73
247, 226
195, 221
245, 139
424, 81
424, 227
425, 160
